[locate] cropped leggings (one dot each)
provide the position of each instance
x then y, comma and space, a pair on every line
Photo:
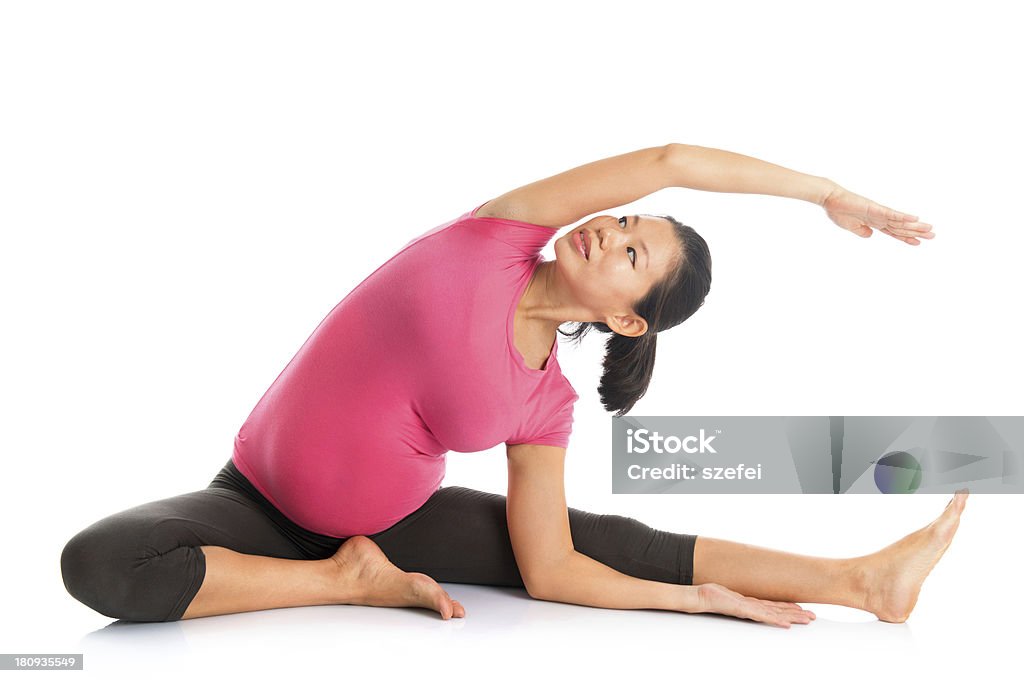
146, 564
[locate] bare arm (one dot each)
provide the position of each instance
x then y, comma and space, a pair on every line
538, 522
718, 170
597, 186
581, 580
608, 183
605, 184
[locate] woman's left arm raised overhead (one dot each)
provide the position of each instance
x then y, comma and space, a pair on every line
601, 185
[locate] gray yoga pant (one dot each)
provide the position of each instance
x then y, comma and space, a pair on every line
145, 563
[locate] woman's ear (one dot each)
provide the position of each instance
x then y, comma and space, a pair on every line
627, 325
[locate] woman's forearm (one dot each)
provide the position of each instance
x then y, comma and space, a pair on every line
717, 170
581, 580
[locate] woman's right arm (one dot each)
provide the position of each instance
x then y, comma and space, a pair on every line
719, 170
538, 522
582, 580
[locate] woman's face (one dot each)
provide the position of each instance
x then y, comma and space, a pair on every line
617, 263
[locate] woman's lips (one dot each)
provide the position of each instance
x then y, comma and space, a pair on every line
577, 238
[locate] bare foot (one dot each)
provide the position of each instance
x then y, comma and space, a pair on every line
376, 582
893, 576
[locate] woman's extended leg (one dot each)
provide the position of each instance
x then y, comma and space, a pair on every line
886, 583
461, 536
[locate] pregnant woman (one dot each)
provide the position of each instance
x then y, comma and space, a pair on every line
333, 491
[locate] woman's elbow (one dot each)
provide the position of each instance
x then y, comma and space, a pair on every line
674, 150
537, 586
537, 593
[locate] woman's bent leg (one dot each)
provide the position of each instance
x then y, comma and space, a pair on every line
460, 535
148, 563
224, 550
237, 582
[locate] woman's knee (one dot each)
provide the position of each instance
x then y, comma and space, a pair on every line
605, 530
632, 547
93, 571
114, 568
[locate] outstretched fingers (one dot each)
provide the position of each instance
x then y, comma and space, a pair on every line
894, 215
911, 229
792, 606
880, 213
911, 233
783, 614
902, 238
714, 597
902, 226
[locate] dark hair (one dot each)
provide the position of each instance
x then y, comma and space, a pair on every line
629, 361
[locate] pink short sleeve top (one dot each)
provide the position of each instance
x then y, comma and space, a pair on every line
418, 360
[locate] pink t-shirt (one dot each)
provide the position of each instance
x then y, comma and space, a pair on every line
416, 361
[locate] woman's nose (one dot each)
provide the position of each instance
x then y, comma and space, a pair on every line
609, 238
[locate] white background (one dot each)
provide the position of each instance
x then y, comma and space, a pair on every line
187, 188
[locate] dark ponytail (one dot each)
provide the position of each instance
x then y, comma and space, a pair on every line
629, 361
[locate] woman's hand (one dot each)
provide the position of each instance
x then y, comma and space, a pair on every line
860, 215
712, 597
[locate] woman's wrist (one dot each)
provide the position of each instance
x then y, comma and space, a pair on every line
687, 599
820, 189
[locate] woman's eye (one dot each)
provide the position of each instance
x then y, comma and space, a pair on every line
632, 258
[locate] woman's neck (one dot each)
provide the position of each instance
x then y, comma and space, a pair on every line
543, 307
